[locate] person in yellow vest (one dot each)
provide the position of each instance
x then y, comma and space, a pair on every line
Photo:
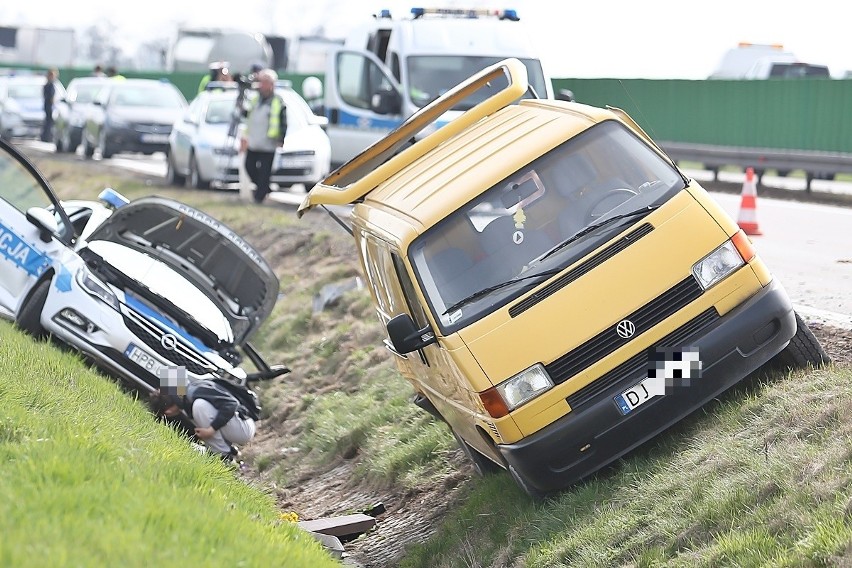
263, 132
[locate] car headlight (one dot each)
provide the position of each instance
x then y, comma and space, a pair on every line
524, 386
717, 265
96, 288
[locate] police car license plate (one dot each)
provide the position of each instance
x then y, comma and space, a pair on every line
142, 359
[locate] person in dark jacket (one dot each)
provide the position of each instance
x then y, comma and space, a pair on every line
49, 93
220, 419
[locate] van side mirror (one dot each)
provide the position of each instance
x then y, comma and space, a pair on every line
565, 95
386, 101
405, 336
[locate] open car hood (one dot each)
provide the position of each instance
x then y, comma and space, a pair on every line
203, 250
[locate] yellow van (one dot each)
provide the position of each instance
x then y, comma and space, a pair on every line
552, 285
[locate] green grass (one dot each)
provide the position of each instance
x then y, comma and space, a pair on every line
90, 478
763, 478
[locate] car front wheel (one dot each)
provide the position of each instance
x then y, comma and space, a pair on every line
195, 178
172, 177
29, 318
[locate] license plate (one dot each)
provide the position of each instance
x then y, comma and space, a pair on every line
142, 359
639, 394
155, 138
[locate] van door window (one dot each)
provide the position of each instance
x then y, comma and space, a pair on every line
358, 79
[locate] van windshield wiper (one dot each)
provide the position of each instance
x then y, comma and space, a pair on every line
485, 291
582, 233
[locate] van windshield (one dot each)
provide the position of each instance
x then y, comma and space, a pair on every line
430, 76
513, 231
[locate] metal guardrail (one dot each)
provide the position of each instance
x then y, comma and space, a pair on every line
817, 165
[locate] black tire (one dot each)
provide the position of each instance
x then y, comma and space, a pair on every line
58, 141
524, 484
29, 317
195, 179
107, 151
88, 149
481, 464
172, 177
804, 350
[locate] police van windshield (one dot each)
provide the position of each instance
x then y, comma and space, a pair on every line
431, 76
513, 231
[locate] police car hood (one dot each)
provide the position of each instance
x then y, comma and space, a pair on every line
204, 251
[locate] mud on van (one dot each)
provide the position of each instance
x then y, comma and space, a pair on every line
553, 287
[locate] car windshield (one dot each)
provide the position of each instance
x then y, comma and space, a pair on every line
431, 76
25, 91
156, 96
220, 111
86, 93
513, 231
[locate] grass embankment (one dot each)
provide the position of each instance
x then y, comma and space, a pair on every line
761, 478
89, 478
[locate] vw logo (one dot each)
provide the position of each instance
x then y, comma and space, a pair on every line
625, 329
169, 342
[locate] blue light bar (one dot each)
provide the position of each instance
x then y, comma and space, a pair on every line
111, 197
385, 13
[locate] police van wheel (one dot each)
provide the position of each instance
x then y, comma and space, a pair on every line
804, 350
29, 318
481, 464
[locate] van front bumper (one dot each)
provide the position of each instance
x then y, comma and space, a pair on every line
585, 440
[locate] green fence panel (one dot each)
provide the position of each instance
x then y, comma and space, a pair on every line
806, 114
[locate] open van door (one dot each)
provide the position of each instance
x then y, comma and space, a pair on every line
496, 86
363, 102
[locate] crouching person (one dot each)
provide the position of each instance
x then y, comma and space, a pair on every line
220, 419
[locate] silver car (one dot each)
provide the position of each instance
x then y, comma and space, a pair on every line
203, 144
22, 105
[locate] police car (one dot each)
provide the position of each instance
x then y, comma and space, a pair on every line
139, 287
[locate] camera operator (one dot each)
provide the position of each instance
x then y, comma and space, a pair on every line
263, 132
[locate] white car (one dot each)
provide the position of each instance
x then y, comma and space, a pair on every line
203, 144
22, 105
138, 286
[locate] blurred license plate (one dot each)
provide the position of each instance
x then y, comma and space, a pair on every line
637, 395
142, 359
155, 138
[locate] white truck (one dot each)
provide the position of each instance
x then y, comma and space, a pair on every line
388, 69
764, 61
43, 47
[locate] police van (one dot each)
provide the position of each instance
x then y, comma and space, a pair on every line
552, 285
388, 69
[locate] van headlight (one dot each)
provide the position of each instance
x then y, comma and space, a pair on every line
525, 386
717, 265
96, 288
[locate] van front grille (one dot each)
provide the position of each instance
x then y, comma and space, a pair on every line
632, 368
608, 340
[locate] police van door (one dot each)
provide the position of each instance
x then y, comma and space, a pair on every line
26, 249
363, 103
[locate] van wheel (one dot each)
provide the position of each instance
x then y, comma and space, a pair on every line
804, 350
29, 318
88, 149
481, 464
524, 484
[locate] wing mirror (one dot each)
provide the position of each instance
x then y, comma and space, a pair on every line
405, 336
386, 101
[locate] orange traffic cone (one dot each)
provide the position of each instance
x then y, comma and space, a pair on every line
748, 205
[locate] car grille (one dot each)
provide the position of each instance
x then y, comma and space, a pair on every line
632, 368
292, 171
183, 354
151, 128
608, 340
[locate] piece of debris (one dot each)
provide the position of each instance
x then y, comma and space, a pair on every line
330, 293
344, 527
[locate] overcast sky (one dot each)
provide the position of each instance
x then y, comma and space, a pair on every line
655, 39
